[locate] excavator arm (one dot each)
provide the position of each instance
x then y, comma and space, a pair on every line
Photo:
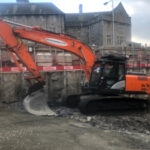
15, 45
12, 36
61, 41
12, 39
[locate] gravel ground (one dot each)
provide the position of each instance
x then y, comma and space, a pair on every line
121, 121
137, 121
73, 130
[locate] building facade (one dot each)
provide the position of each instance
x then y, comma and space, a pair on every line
45, 15
93, 29
97, 28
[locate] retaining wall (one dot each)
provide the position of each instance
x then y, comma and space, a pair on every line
59, 84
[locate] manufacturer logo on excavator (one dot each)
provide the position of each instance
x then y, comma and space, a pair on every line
56, 42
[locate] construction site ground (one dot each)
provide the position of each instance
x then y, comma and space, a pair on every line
71, 130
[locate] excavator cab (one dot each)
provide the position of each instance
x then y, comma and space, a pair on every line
108, 84
108, 73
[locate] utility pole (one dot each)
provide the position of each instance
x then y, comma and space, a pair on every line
113, 23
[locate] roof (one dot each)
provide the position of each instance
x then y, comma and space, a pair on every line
78, 19
120, 9
7, 9
83, 18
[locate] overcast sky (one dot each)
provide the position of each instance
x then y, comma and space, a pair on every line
139, 10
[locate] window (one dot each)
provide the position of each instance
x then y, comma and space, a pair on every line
95, 75
109, 39
120, 40
108, 70
121, 72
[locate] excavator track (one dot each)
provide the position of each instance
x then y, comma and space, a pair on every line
111, 103
72, 101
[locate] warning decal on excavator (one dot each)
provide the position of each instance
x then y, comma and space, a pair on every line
143, 78
56, 42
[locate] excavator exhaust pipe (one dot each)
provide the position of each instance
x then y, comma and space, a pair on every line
36, 104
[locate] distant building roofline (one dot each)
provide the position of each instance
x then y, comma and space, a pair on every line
11, 9
86, 18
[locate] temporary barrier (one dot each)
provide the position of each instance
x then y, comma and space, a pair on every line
44, 69
61, 68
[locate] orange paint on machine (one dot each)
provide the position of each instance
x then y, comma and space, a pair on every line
138, 83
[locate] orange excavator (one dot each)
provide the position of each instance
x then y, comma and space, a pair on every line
107, 77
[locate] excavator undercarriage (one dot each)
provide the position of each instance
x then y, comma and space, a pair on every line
108, 88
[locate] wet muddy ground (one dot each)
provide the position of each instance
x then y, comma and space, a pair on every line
118, 130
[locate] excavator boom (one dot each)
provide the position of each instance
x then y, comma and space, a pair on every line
12, 39
15, 45
61, 41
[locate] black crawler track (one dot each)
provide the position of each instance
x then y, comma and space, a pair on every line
89, 105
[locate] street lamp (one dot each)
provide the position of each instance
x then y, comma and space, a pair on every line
113, 30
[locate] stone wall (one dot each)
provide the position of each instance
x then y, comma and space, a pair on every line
10, 87
97, 28
122, 33
58, 85
54, 23
96, 34
80, 33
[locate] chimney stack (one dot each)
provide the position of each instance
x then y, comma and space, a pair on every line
22, 1
80, 8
